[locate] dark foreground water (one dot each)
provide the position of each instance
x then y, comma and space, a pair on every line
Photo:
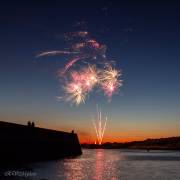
104, 164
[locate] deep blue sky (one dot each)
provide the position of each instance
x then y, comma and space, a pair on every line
143, 38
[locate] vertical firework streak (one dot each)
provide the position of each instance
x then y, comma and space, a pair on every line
99, 126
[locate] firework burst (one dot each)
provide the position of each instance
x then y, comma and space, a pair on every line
80, 84
90, 77
75, 93
110, 80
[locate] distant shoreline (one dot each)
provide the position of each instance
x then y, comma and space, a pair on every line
170, 143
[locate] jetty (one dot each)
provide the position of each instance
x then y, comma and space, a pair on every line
21, 143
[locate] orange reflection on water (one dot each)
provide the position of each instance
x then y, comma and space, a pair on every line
97, 164
99, 168
104, 165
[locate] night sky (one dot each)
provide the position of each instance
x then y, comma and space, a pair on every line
142, 37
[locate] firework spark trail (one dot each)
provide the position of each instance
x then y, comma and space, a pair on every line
94, 124
52, 53
68, 65
99, 126
86, 48
104, 127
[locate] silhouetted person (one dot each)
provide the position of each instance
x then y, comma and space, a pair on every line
72, 131
32, 124
29, 124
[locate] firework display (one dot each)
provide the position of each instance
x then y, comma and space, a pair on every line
95, 71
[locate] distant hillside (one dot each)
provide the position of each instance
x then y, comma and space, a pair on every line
171, 143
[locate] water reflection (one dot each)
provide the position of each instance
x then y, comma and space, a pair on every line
74, 170
103, 164
99, 167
